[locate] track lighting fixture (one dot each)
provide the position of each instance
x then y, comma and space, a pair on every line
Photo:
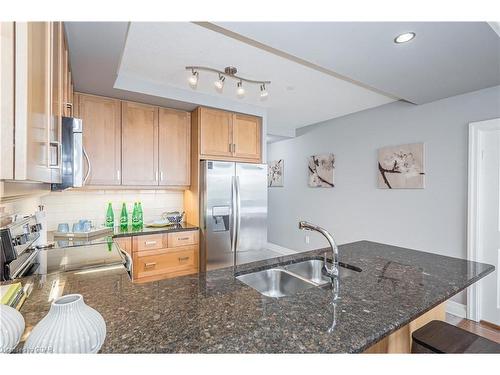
229, 72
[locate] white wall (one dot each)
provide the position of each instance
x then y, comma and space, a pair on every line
432, 219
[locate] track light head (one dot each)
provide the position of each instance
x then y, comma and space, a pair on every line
193, 79
240, 91
219, 83
263, 91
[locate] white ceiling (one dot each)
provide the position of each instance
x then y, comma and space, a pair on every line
445, 58
318, 71
155, 56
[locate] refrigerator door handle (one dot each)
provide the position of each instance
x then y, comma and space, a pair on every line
238, 216
232, 224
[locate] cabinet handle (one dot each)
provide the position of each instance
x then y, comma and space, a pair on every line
183, 239
161, 176
118, 174
156, 176
230, 147
183, 259
147, 243
149, 265
234, 148
57, 147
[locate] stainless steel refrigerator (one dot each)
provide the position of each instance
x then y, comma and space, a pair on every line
233, 212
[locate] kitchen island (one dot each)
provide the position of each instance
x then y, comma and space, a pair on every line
214, 312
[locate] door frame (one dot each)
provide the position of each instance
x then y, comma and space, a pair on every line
473, 222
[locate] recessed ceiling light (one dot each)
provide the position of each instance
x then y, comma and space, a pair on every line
405, 37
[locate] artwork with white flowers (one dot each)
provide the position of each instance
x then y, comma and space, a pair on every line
321, 168
275, 173
401, 167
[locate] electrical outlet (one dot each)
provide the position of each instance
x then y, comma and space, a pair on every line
306, 238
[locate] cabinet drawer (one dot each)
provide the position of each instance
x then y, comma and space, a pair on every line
149, 242
182, 238
167, 261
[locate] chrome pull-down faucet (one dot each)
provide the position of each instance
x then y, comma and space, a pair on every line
334, 270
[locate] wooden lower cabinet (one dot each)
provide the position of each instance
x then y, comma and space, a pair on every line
400, 340
165, 263
162, 256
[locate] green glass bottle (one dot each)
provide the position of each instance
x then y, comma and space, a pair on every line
135, 216
124, 217
140, 214
110, 216
109, 241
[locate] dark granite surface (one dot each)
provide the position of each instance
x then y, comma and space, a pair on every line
216, 313
118, 232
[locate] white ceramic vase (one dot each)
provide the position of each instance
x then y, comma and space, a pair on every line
11, 328
70, 327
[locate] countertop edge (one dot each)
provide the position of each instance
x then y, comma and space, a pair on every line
155, 231
415, 316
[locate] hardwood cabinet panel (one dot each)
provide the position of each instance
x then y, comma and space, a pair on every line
33, 101
246, 137
101, 138
149, 242
165, 263
139, 144
177, 239
57, 103
7, 100
215, 132
174, 147
125, 243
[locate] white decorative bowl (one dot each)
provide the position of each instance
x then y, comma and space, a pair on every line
11, 328
70, 327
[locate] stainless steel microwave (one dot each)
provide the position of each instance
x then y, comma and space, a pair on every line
72, 155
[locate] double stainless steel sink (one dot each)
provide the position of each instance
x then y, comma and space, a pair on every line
292, 278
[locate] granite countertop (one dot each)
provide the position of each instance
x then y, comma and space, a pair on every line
216, 313
62, 242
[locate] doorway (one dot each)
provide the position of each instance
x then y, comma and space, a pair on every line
483, 243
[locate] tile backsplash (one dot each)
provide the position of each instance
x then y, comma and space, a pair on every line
70, 206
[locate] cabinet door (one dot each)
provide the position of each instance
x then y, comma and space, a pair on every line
174, 147
246, 137
66, 98
101, 119
139, 144
215, 133
7, 100
57, 104
33, 101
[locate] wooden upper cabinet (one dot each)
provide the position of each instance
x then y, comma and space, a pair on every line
215, 132
7, 100
228, 136
101, 138
174, 147
139, 144
246, 137
33, 101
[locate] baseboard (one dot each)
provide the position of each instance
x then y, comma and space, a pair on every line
457, 309
280, 249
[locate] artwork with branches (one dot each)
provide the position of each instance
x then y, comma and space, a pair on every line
275, 173
401, 167
321, 170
